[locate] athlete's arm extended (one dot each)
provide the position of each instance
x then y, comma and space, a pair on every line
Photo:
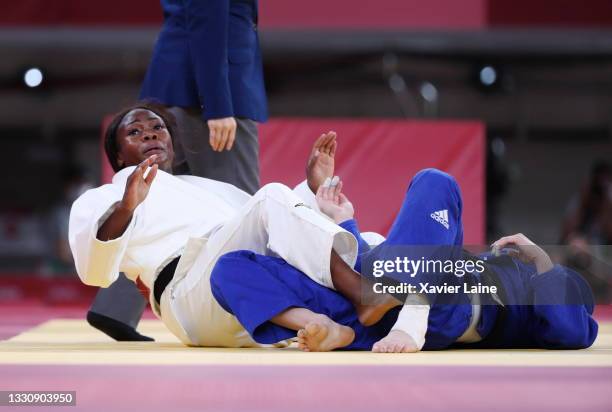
136, 190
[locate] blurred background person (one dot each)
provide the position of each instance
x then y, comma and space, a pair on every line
589, 214
587, 229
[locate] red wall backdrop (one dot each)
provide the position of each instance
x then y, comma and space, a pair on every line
329, 14
376, 159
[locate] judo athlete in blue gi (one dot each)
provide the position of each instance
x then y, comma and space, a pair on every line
538, 304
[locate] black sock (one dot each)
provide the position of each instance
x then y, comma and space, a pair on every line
115, 329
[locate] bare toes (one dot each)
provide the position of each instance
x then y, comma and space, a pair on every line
312, 329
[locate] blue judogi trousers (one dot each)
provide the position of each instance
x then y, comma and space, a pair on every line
256, 288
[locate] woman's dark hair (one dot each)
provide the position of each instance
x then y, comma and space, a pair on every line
111, 146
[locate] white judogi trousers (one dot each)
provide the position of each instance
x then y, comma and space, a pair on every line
275, 221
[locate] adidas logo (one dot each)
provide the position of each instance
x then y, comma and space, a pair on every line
441, 216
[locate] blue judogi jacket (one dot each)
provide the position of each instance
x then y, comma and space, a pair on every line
525, 324
207, 55
551, 310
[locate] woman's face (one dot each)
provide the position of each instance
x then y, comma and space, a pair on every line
143, 133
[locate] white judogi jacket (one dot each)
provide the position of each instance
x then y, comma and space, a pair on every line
176, 209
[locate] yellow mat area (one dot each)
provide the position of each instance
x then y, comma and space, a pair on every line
69, 342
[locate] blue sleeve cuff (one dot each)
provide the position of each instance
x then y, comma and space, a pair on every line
350, 225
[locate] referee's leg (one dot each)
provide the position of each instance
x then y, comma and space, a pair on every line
116, 310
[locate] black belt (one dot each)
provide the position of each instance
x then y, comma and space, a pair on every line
164, 277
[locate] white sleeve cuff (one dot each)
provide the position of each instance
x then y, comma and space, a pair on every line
303, 192
100, 260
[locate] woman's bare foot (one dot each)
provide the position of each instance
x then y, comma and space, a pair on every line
372, 313
396, 342
323, 335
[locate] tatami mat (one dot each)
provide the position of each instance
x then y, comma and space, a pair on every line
73, 342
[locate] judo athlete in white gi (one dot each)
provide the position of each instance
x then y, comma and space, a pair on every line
147, 220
